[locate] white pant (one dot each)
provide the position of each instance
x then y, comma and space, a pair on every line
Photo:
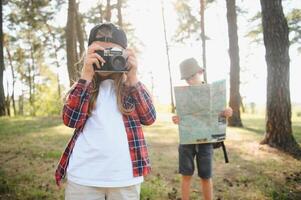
75, 191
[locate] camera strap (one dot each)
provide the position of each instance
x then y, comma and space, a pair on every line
225, 152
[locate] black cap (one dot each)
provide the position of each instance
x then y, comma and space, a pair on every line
117, 36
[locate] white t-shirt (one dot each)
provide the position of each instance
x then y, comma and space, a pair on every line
101, 154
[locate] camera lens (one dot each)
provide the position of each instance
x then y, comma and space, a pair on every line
118, 63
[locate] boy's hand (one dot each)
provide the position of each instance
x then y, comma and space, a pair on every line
227, 112
175, 119
132, 78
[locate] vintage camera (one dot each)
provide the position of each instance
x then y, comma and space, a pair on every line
115, 58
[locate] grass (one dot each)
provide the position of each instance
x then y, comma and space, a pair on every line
31, 147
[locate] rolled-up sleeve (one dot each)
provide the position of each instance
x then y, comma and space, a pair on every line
75, 110
143, 104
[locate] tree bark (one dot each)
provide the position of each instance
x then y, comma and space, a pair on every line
119, 13
101, 12
108, 11
13, 77
235, 98
2, 96
203, 37
21, 104
7, 102
55, 48
80, 31
80, 39
278, 109
32, 81
173, 108
71, 42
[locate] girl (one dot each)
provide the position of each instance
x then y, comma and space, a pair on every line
107, 156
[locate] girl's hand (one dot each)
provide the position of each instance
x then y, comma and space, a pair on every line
228, 112
132, 66
175, 119
91, 58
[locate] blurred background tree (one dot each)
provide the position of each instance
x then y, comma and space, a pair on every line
278, 112
36, 49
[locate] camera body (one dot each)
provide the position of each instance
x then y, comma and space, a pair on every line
115, 58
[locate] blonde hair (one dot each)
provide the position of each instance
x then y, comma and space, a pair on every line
119, 79
119, 90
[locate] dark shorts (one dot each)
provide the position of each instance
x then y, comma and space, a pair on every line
203, 154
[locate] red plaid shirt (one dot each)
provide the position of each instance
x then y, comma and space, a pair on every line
75, 114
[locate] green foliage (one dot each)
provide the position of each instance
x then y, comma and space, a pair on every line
153, 189
189, 23
32, 42
294, 22
96, 15
255, 34
48, 101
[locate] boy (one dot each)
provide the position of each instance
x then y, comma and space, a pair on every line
192, 73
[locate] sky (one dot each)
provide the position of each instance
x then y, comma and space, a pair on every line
146, 17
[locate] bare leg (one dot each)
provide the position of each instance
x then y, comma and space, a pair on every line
186, 180
207, 188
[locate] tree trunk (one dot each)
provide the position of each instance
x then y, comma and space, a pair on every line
2, 96
173, 108
235, 98
14, 102
71, 42
108, 11
30, 87
80, 31
242, 105
101, 12
152, 83
14, 79
7, 102
21, 104
203, 37
278, 109
119, 13
32, 78
80, 39
55, 48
